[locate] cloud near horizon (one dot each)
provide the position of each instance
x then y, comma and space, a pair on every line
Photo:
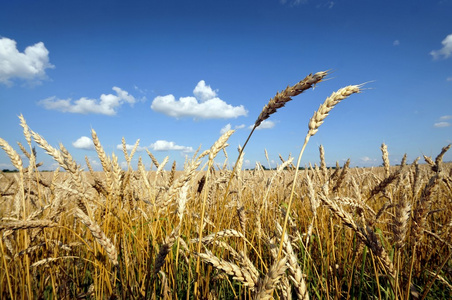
84, 142
445, 51
204, 105
130, 148
159, 145
108, 104
28, 65
162, 145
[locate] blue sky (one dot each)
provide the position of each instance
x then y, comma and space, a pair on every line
174, 74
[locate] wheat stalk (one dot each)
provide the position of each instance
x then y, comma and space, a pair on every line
314, 123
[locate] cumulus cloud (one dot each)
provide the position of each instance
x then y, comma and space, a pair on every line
130, 148
106, 105
367, 159
229, 127
266, 124
159, 145
445, 117
445, 51
441, 124
204, 92
204, 105
396, 43
449, 78
84, 142
29, 65
162, 145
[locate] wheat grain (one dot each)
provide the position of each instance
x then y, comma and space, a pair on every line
285, 96
232, 269
12, 154
385, 157
29, 224
319, 116
99, 235
267, 284
165, 249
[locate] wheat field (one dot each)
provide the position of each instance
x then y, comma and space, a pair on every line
215, 232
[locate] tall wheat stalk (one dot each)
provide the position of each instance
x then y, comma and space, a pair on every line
314, 123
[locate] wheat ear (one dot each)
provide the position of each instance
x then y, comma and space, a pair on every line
330, 102
31, 224
165, 249
235, 271
13, 155
285, 96
99, 235
267, 284
385, 158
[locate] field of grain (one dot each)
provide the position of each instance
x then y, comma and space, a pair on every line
212, 232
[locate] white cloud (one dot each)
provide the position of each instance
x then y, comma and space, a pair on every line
441, 124
266, 124
229, 127
107, 105
205, 105
445, 51
445, 117
204, 92
84, 142
159, 145
29, 65
367, 159
162, 145
449, 79
225, 129
247, 163
141, 91
396, 43
130, 147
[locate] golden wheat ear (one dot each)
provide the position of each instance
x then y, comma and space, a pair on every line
285, 96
